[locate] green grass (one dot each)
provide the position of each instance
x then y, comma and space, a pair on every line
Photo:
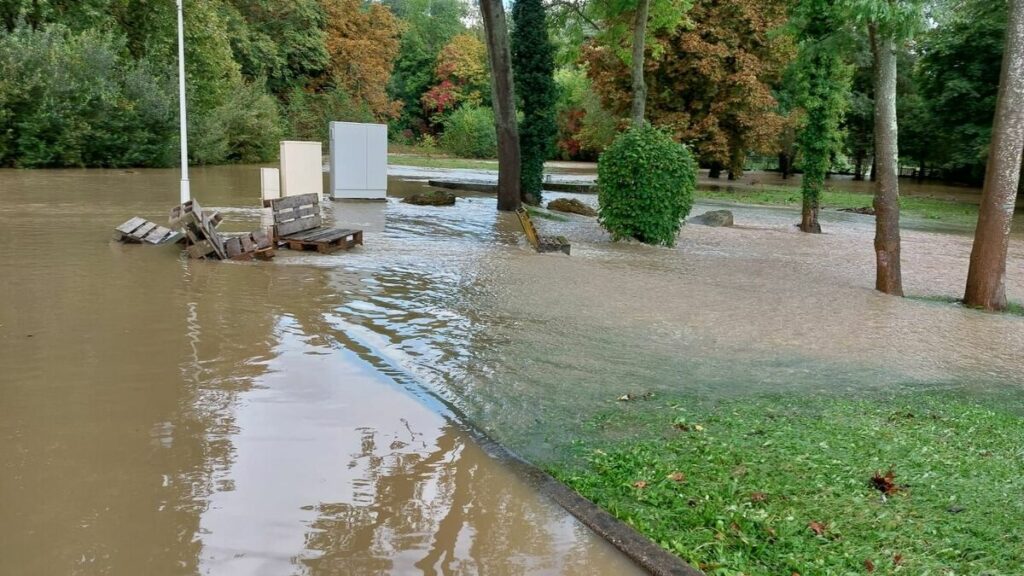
1012, 308
927, 208
418, 156
742, 486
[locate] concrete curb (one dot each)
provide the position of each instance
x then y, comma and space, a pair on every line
637, 547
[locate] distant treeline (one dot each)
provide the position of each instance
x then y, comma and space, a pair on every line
93, 82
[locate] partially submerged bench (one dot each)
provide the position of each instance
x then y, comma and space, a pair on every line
298, 225
541, 243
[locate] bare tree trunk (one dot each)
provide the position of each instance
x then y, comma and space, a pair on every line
503, 98
874, 167
986, 278
784, 165
888, 278
858, 170
639, 86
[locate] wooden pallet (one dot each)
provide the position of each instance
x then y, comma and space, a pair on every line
139, 230
299, 226
324, 240
203, 241
541, 243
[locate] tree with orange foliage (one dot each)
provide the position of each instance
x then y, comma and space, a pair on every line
462, 78
363, 43
710, 82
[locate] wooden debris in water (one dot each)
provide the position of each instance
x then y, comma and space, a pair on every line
203, 241
541, 243
139, 230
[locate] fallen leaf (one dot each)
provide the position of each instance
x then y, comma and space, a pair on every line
886, 484
625, 398
869, 565
758, 497
677, 477
698, 428
681, 426
897, 559
735, 527
640, 484
771, 532
817, 527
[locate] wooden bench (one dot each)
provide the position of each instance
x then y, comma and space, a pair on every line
541, 243
298, 225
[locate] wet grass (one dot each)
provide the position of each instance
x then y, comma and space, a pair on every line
1012, 308
783, 485
936, 209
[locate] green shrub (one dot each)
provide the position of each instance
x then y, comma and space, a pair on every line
245, 128
646, 182
310, 113
469, 133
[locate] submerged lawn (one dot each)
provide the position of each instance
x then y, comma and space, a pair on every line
946, 211
783, 486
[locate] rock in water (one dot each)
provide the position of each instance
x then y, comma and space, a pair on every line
572, 206
714, 218
431, 198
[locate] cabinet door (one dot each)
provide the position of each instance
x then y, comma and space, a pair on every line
377, 157
348, 145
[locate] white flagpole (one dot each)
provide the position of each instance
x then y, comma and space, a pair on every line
185, 192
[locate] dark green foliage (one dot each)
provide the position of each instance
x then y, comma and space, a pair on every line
822, 86
245, 128
646, 183
958, 75
469, 133
534, 67
309, 114
70, 99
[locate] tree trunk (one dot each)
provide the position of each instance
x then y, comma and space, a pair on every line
888, 278
784, 165
503, 98
986, 278
639, 85
874, 168
715, 170
809, 216
858, 169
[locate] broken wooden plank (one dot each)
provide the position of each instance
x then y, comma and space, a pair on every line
289, 228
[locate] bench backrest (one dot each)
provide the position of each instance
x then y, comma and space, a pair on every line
528, 227
294, 214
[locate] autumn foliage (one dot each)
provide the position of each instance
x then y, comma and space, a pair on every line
461, 73
362, 44
709, 83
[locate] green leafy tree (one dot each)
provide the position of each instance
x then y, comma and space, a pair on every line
533, 65
823, 83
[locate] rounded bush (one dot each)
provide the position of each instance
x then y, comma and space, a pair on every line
645, 186
469, 133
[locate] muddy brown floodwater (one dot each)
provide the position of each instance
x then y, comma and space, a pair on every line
166, 416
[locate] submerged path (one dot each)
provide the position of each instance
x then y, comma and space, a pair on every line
166, 416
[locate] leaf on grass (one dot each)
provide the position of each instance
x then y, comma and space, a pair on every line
897, 559
630, 397
677, 477
817, 527
640, 484
758, 497
869, 565
886, 484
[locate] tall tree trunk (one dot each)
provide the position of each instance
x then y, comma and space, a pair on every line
809, 215
784, 165
874, 167
858, 169
639, 85
503, 98
888, 278
715, 170
986, 278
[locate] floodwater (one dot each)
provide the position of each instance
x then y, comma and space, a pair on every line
166, 416
307, 415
